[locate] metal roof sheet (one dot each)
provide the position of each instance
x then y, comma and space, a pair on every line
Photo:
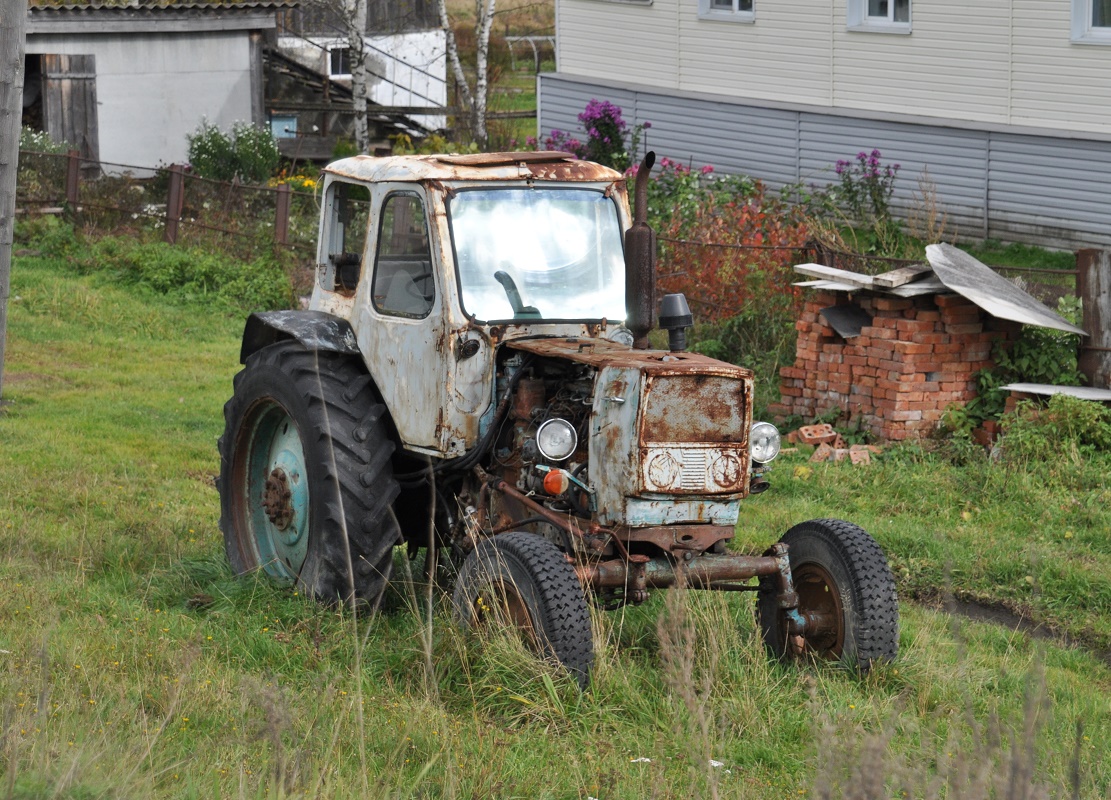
548, 166
62, 6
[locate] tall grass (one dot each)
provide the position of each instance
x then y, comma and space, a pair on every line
136, 665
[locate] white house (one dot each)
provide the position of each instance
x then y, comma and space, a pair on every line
1006, 102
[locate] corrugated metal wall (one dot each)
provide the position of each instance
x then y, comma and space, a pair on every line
1015, 187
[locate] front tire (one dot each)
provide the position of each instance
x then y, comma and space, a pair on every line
842, 578
306, 484
523, 580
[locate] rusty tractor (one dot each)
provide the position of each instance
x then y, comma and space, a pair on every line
473, 379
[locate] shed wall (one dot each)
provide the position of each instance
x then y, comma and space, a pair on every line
154, 89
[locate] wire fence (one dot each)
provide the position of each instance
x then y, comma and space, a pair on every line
182, 208
169, 201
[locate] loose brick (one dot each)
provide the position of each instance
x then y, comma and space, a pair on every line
912, 349
970, 327
951, 301
930, 338
914, 326
929, 316
892, 303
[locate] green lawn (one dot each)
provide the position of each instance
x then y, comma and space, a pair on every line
137, 666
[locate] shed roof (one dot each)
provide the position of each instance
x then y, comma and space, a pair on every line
47, 6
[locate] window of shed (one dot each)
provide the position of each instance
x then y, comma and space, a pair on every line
727, 10
879, 16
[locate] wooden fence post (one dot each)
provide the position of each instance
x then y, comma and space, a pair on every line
174, 202
281, 215
73, 178
1093, 287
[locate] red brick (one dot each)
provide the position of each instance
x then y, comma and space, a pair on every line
912, 349
892, 303
791, 391
885, 322
928, 316
971, 327
856, 361
791, 372
960, 315
915, 326
930, 338
902, 416
951, 301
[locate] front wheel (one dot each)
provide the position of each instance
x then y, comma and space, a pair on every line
306, 485
524, 581
846, 592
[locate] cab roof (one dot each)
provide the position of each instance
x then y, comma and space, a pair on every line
514, 166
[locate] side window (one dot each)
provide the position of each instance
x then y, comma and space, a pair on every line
879, 16
349, 213
1091, 21
403, 282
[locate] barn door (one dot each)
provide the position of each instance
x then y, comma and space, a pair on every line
69, 102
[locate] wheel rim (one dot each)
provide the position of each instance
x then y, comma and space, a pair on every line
820, 603
271, 474
502, 604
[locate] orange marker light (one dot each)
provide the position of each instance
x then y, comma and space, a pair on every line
556, 482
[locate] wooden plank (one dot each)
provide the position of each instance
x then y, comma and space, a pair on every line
1093, 286
854, 279
828, 286
898, 277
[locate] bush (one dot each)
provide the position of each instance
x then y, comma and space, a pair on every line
194, 274
247, 152
1066, 430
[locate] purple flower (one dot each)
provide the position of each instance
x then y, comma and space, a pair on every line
647, 125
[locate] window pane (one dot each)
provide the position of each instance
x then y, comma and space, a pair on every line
1101, 13
746, 5
403, 283
725, 5
556, 251
877, 8
340, 61
902, 10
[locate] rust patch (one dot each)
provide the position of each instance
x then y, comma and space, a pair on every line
604, 353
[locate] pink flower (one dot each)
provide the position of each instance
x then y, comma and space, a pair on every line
707, 169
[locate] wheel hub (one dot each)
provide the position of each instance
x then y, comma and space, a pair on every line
277, 499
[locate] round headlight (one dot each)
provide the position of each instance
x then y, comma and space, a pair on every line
763, 442
556, 439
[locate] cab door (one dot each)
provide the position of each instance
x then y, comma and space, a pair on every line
399, 314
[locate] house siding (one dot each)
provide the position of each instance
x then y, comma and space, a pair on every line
992, 61
1016, 186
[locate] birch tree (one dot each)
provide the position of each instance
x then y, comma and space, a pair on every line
474, 99
355, 17
13, 23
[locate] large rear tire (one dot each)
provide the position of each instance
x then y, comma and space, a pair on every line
306, 484
842, 579
523, 580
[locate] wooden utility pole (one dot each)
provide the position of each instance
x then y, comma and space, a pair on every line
13, 24
1093, 286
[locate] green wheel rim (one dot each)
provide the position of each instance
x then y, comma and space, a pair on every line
277, 492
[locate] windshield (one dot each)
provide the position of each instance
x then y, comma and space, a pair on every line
538, 254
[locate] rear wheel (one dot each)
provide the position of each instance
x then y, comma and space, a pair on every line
524, 581
305, 476
846, 592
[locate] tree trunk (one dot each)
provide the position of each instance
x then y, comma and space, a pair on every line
356, 18
13, 22
483, 25
474, 100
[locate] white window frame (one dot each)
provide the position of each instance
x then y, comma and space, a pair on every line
1083, 32
858, 19
707, 11
337, 46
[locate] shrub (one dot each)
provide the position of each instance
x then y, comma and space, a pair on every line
1065, 430
40, 142
604, 137
194, 274
247, 152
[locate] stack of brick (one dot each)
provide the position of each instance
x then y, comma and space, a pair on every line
917, 357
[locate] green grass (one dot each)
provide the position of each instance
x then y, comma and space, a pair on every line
136, 665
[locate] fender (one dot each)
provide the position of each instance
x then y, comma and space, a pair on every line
316, 330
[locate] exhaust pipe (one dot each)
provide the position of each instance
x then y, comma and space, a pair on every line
640, 263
